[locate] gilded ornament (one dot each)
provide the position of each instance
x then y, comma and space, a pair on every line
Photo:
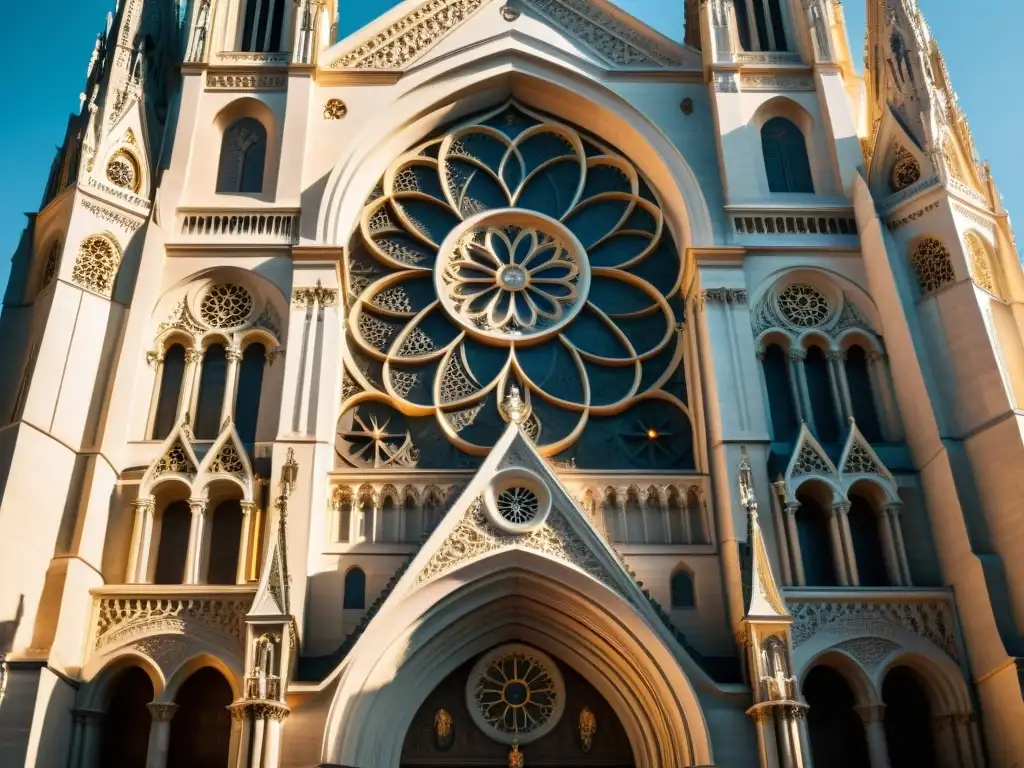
335, 109
509, 13
516, 759
444, 730
686, 106
587, 729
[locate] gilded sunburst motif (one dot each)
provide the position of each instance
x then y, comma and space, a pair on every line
513, 250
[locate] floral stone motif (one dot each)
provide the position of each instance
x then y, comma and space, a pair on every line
513, 250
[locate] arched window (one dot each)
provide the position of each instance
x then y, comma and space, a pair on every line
96, 265
175, 523
263, 22
858, 379
867, 544
815, 543
225, 536
389, 521
785, 157
355, 590
172, 374
52, 264
780, 394
201, 727
211, 392
413, 519
908, 719
819, 390
634, 518
125, 740
682, 590
250, 385
243, 155
768, 24
835, 729
345, 519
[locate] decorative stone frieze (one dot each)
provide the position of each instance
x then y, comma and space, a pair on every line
246, 81
127, 223
749, 82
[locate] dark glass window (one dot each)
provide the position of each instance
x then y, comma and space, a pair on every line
819, 389
861, 394
355, 590
263, 22
785, 157
682, 590
211, 392
243, 155
780, 394
170, 392
250, 385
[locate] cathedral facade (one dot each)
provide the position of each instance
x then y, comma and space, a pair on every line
508, 384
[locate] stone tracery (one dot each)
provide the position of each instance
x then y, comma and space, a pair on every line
510, 248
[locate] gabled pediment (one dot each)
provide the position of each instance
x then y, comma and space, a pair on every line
177, 459
593, 30
482, 523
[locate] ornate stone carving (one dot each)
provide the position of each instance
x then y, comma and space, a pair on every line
860, 462
803, 305
246, 81
723, 296
933, 265
175, 461
167, 651
161, 712
444, 730
587, 729
509, 12
809, 462
127, 223
869, 651
750, 82
335, 109
929, 621
96, 265
475, 536
615, 41
122, 619
313, 296
725, 82
409, 37
898, 223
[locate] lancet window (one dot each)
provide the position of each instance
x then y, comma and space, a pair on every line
262, 25
210, 360
355, 590
822, 364
785, 156
243, 157
385, 515
761, 25
682, 591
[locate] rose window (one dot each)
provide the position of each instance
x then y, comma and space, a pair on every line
226, 305
123, 172
803, 305
514, 250
518, 505
515, 694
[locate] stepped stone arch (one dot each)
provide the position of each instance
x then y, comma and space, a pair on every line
514, 595
448, 93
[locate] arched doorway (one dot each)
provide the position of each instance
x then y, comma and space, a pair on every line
908, 719
125, 740
836, 730
460, 721
201, 728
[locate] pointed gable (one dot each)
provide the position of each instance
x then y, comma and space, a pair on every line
227, 456
809, 458
177, 459
764, 600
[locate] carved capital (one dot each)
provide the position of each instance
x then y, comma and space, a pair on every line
144, 504
837, 355
233, 354
317, 295
273, 354
161, 712
248, 507
154, 357
197, 506
892, 510
841, 508
193, 355
791, 507
797, 355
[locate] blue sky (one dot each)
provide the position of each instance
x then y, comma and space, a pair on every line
978, 45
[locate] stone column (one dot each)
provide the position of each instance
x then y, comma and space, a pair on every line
835, 526
227, 407
159, 733
885, 397
196, 541
154, 399
241, 736
142, 541
781, 533
851, 555
90, 736
190, 382
892, 511
798, 387
837, 380
794, 542
893, 571
621, 498
244, 540
873, 716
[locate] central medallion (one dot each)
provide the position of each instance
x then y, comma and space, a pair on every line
511, 274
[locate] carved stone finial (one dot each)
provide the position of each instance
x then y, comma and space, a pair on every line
747, 498
289, 472
513, 405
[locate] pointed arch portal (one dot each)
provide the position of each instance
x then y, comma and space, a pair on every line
515, 596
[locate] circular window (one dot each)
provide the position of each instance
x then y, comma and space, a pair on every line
226, 305
803, 305
512, 274
515, 694
518, 505
905, 171
122, 171
517, 501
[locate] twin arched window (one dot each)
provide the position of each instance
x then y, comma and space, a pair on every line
261, 30
785, 157
243, 157
768, 32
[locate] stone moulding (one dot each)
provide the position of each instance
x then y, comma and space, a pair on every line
246, 81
